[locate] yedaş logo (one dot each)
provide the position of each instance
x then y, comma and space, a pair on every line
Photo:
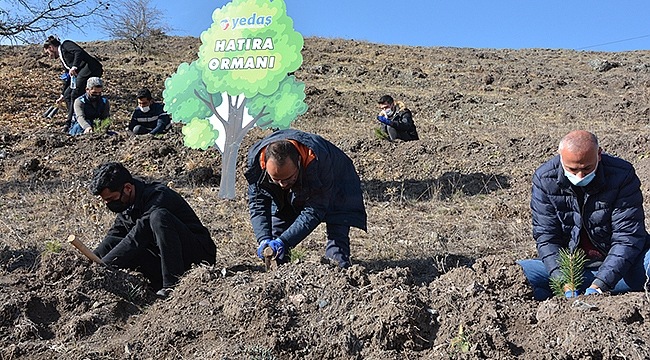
253, 21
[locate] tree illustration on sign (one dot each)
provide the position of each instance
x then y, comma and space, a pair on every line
240, 80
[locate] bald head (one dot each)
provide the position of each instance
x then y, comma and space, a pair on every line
578, 141
579, 152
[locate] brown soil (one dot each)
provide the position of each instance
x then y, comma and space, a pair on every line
434, 276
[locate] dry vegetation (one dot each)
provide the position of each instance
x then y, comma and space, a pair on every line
434, 276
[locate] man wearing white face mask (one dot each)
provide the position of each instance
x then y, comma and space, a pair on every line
584, 198
396, 119
149, 117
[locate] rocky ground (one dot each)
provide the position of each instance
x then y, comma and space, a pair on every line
434, 276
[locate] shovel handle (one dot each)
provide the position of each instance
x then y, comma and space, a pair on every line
84, 249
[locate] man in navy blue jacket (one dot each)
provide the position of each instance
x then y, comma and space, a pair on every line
296, 181
150, 117
583, 198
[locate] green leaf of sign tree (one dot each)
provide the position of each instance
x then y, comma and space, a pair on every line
239, 81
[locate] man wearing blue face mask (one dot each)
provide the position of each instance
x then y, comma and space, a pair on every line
584, 198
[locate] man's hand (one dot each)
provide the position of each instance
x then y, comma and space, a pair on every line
88, 130
73, 71
276, 245
383, 120
261, 247
571, 294
593, 291
570, 291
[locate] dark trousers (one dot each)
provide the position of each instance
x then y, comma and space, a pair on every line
161, 251
337, 247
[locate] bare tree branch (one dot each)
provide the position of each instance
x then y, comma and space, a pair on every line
28, 19
137, 21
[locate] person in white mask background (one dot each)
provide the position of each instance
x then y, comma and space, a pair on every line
586, 199
396, 120
150, 116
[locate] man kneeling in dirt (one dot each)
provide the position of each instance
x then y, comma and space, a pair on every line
585, 199
396, 119
296, 181
150, 116
156, 232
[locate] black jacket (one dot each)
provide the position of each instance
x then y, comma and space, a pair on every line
149, 197
72, 55
402, 121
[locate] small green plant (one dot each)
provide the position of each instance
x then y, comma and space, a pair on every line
296, 254
380, 134
572, 265
52, 247
460, 343
102, 126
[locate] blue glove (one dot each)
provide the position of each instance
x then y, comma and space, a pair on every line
65, 76
571, 294
592, 291
383, 120
261, 247
276, 245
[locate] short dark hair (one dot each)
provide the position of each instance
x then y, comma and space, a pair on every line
386, 99
143, 93
111, 176
51, 40
280, 151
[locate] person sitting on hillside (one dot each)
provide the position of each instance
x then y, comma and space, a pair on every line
396, 119
156, 232
585, 199
149, 117
90, 108
296, 180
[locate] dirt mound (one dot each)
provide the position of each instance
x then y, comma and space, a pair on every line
435, 275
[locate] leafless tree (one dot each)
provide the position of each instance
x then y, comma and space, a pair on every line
137, 21
26, 20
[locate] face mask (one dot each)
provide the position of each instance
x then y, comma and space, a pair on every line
388, 112
575, 180
117, 206
94, 97
144, 108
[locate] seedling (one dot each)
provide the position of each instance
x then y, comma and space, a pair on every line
572, 265
460, 343
53, 247
102, 126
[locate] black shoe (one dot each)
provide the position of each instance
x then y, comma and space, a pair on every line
164, 293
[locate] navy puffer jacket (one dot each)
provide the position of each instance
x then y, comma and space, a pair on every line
327, 190
612, 214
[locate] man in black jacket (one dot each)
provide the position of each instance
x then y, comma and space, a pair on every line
396, 119
155, 232
80, 66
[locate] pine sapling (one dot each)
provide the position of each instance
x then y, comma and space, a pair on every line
572, 265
